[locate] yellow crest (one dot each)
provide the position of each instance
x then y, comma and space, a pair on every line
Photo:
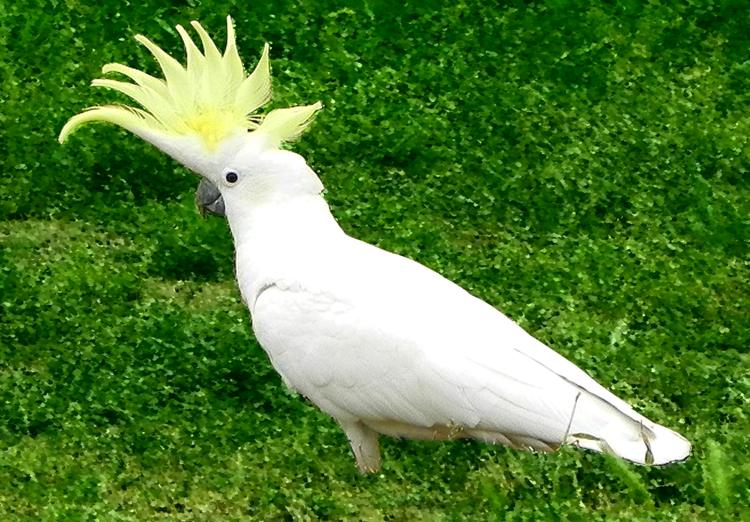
210, 97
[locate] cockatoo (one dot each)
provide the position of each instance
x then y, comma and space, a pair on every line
379, 342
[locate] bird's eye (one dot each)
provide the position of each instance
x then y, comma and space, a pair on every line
231, 176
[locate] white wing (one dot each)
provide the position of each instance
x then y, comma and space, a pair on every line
380, 341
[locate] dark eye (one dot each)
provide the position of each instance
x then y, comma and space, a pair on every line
231, 176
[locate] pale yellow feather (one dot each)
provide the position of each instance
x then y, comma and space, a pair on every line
210, 97
141, 78
289, 123
255, 90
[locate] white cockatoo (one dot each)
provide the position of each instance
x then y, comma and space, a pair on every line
379, 342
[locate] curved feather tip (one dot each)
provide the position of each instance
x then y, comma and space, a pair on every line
210, 97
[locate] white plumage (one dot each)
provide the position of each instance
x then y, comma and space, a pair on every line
385, 345
381, 343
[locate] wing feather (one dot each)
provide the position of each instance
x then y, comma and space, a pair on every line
385, 341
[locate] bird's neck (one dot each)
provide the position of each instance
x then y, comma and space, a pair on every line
298, 218
281, 240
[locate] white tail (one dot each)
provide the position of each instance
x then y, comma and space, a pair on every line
598, 425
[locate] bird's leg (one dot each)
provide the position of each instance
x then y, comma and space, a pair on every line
364, 443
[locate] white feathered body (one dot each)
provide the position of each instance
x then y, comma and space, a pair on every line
386, 345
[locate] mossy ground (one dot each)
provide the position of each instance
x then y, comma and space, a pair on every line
582, 166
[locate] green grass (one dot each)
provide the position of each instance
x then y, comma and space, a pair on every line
582, 166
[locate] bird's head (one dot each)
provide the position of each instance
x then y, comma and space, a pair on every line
203, 115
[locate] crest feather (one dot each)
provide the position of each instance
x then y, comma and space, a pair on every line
210, 97
288, 124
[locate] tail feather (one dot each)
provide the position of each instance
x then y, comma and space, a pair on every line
599, 426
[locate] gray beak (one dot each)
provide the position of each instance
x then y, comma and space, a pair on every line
208, 199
